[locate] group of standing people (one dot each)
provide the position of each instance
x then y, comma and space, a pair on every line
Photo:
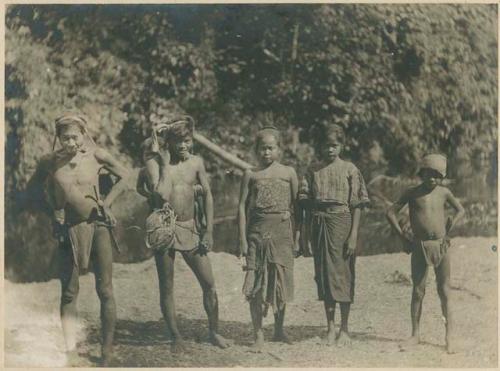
279, 218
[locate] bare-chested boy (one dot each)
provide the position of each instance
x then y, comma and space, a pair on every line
430, 245
173, 198
82, 222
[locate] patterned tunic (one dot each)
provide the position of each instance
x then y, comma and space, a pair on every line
340, 182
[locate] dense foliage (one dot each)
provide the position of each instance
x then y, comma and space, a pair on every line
401, 79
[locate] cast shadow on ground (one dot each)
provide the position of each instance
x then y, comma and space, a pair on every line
152, 333
135, 340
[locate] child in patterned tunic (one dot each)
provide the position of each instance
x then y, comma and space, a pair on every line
333, 192
266, 231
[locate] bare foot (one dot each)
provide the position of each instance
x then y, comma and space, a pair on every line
219, 341
411, 342
330, 337
450, 346
72, 358
106, 356
282, 338
344, 340
105, 360
259, 341
178, 346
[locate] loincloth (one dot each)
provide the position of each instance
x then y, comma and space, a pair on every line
81, 238
434, 250
187, 236
164, 231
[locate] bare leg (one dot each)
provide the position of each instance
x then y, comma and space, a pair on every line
330, 320
279, 333
165, 269
443, 289
257, 315
344, 338
69, 294
103, 259
201, 267
419, 277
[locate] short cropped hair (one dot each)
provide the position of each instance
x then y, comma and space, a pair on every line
267, 130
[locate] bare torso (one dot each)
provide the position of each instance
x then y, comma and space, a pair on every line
427, 213
72, 179
176, 186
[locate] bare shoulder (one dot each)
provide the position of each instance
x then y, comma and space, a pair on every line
445, 191
101, 154
196, 161
147, 143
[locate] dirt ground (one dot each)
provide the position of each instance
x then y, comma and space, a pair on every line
379, 318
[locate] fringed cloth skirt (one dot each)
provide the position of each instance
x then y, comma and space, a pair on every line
334, 273
270, 255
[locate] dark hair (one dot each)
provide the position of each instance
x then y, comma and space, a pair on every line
268, 130
68, 119
180, 127
334, 130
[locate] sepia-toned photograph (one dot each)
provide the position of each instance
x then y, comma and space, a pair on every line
251, 185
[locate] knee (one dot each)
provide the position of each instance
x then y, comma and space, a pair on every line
444, 289
70, 294
105, 292
209, 290
418, 292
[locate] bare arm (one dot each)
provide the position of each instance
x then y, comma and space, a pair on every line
392, 213
455, 203
117, 169
353, 234
141, 184
294, 184
208, 200
242, 217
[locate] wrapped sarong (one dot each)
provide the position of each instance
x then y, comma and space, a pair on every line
434, 250
334, 273
270, 255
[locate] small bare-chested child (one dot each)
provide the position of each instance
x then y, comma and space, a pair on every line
82, 222
267, 237
430, 244
172, 226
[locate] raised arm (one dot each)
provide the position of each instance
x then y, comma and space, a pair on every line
242, 213
117, 169
460, 212
209, 204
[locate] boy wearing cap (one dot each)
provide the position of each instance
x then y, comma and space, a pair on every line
430, 244
82, 222
170, 184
